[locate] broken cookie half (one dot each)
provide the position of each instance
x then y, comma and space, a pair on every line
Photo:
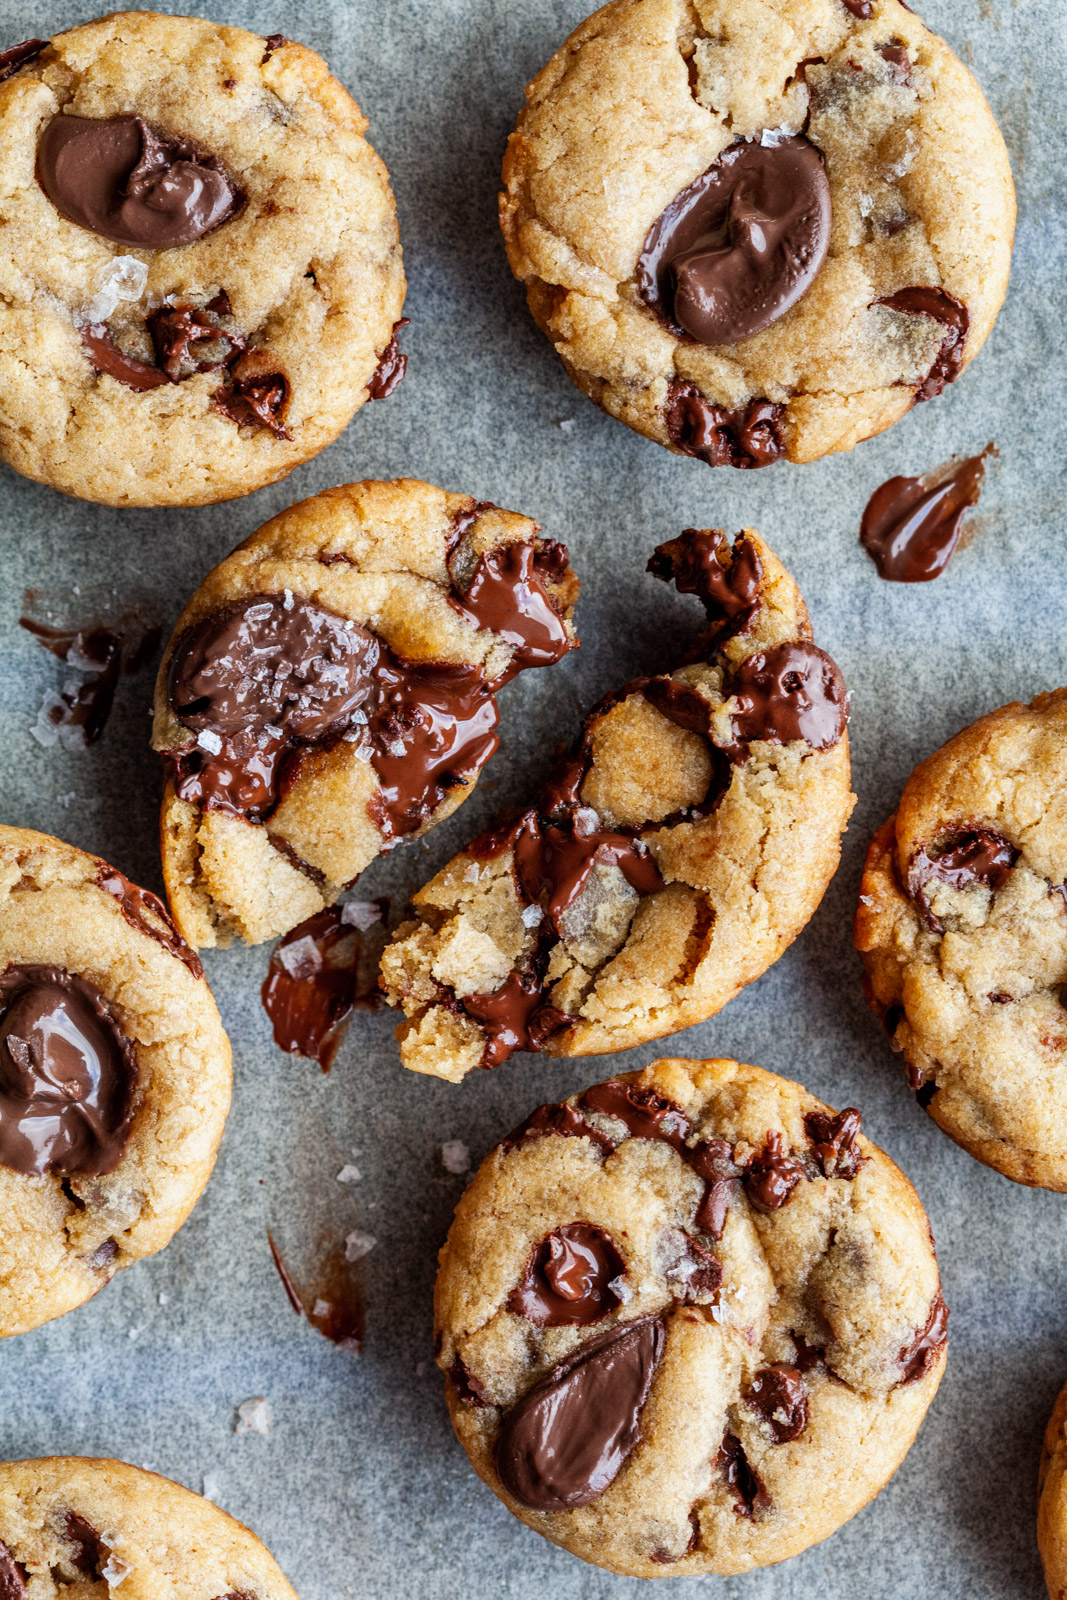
329, 692
670, 860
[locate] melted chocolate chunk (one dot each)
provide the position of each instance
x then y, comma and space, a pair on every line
469, 1389
858, 8
507, 596
727, 582
740, 246
793, 691
123, 180
554, 860
807, 1355
911, 526
11, 59
742, 1478
256, 401
392, 366
568, 1278
779, 1395
773, 1175
916, 1358
188, 341
942, 307
514, 1017
749, 437
135, 902
90, 1552
558, 1119
12, 1574
68, 1075
695, 1274
106, 357
647, 1114
713, 1161
969, 857
834, 1139
313, 985
569, 1437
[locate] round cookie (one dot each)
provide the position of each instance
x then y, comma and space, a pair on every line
962, 924
691, 1320
114, 1077
329, 691
673, 857
200, 273
73, 1525
755, 230
1052, 1500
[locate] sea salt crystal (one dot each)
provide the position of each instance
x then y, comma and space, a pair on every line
253, 1416
114, 1569
621, 1288
358, 1245
321, 1308
124, 278
531, 916
455, 1157
349, 1174
211, 1487
209, 741
567, 425
361, 914
301, 959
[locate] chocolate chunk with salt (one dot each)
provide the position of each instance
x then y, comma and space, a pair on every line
779, 1394
567, 1281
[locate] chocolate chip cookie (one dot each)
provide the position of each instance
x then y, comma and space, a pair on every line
759, 231
200, 273
329, 692
74, 1526
1052, 1500
962, 924
670, 860
114, 1077
691, 1320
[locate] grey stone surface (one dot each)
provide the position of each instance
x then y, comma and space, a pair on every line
360, 1488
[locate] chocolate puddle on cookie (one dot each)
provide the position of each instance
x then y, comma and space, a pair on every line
101, 650
911, 526
320, 973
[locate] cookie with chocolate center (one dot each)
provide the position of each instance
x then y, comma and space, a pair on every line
202, 276
669, 861
329, 692
756, 232
114, 1077
962, 925
690, 1320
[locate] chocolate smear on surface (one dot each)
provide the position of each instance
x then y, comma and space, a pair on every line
835, 1142
739, 247
319, 974
188, 340
645, 1113
713, 1161
779, 1395
135, 903
332, 1298
773, 1175
727, 581
741, 1478
124, 180
101, 650
911, 526
793, 691
507, 596
105, 357
749, 437
391, 368
68, 1075
916, 1358
568, 1278
938, 304
256, 401
569, 1437
11, 59
969, 857
560, 1119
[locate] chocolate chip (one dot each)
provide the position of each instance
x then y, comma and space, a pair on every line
646, 1113
135, 903
779, 1395
122, 179
554, 860
713, 1161
273, 41
963, 858
859, 8
188, 341
558, 1119
911, 526
514, 1017
68, 1075
392, 366
749, 437
256, 402
90, 1553
938, 304
12, 1574
97, 1260
568, 1278
925, 1093
740, 246
835, 1142
106, 357
11, 59
96, 651
791, 692
772, 1175
896, 57
807, 1355
741, 1477
506, 595
727, 581
569, 1437
916, 1358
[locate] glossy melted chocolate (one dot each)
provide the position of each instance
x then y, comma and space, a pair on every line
11, 59
135, 903
568, 1279
971, 857
916, 1358
391, 368
780, 1396
911, 526
938, 304
313, 985
727, 581
791, 692
749, 437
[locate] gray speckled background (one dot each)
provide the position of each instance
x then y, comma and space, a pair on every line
360, 1489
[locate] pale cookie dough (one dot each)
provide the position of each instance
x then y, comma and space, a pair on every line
643, 98
71, 1527
428, 601
307, 265
744, 1291
669, 863
1052, 1500
962, 924
65, 1233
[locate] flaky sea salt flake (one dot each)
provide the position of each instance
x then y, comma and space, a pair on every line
455, 1157
358, 1245
253, 1416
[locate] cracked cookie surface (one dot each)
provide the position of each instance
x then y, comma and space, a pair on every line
644, 98
962, 925
329, 692
72, 1526
772, 1267
71, 1216
669, 862
182, 375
